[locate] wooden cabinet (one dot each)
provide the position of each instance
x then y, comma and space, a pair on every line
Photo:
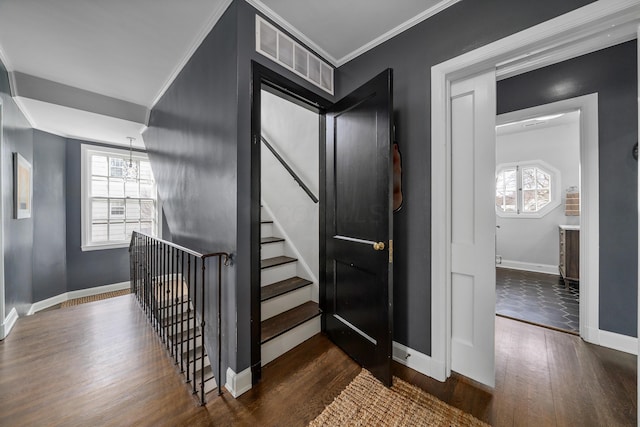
569, 265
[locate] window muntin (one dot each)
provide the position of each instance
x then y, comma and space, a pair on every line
115, 205
526, 189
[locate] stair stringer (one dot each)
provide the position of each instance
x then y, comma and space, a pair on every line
302, 266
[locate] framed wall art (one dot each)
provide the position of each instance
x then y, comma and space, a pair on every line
22, 186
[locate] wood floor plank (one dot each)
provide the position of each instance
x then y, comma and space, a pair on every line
102, 364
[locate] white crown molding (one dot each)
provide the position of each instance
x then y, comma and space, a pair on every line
397, 30
377, 41
5, 60
23, 108
211, 22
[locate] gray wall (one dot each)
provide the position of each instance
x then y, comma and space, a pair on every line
192, 145
90, 268
612, 73
49, 216
18, 233
463, 27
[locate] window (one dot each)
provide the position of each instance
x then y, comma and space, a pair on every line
526, 189
116, 202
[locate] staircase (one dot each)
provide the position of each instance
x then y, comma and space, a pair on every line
289, 308
182, 335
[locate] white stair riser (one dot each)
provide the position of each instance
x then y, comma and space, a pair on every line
266, 230
264, 215
278, 273
285, 342
206, 363
209, 386
270, 250
180, 327
198, 341
282, 303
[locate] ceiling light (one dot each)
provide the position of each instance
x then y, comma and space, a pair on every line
130, 168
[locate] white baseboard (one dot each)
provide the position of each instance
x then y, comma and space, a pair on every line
418, 362
529, 266
58, 299
8, 323
239, 383
618, 342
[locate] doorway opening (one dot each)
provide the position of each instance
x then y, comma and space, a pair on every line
544, 44
289, 223
538, 220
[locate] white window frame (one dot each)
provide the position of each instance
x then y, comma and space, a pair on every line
85, 184
554, 191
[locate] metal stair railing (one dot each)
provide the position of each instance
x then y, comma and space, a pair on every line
170, 284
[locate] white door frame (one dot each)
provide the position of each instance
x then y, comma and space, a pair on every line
581, 31
589, 201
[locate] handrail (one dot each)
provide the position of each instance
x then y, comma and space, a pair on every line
291, 172
164, 279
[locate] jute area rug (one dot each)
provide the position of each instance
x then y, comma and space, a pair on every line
93, 298
366, 402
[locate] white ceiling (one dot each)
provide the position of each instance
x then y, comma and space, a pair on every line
131, 50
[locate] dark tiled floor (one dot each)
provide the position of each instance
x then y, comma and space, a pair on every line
537, 297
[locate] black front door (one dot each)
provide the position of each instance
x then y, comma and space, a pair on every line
359, 240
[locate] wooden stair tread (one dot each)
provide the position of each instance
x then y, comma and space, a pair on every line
266, 222
288, 320
282, 287
279, 260
265, 240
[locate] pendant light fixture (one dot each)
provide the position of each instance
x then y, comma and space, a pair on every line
130, 167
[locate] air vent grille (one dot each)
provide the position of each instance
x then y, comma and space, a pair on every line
276, 45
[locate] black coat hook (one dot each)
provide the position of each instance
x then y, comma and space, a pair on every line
635, 151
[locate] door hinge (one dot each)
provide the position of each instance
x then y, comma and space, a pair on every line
390, 251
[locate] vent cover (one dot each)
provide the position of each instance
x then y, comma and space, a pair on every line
276, 45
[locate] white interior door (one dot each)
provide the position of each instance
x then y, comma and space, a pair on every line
473, 276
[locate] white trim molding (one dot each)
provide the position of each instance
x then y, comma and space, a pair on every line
546, 38
59, 299
8, 323
528, 266
238, 384
417, 361
618, 342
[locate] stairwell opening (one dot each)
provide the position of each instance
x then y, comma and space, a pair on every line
289, 223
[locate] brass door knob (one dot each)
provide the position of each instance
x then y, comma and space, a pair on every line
378, 246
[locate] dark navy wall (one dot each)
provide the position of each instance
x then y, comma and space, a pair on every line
49, 216
18, 233
90, 268
192, 145
463, 27
612, 73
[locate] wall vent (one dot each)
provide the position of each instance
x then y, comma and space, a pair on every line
276, 45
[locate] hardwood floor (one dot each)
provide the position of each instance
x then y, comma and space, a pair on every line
101, 364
